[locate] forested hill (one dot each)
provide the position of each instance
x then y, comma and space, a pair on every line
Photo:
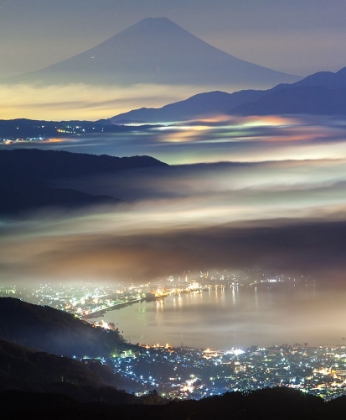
55, 331
46, 164
23, 369
27, 178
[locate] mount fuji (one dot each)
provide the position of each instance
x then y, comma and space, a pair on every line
156, 51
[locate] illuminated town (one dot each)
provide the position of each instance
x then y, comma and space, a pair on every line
193, 373
89, 300
184, 372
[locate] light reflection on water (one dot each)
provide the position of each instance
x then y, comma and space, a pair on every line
237, 317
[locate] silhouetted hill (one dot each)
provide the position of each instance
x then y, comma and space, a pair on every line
39, 385
310, 100
26, 178
17, 197
54, 331
45, 164
156, 50
35, 371
204, 104
322, 93
267, 404
326, 79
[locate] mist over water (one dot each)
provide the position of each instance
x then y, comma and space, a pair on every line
237, 317
221, 138
276, 202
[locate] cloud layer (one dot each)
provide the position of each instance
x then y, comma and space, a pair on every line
276, 202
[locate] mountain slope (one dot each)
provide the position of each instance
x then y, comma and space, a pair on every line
323, 93
54, 331
204, 104
27, 176
310, 100
156, 50
45, 164
28, 370
326, 79
18, 197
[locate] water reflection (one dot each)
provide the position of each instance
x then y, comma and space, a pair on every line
246, 317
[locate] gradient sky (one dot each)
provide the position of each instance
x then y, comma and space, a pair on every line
299, 36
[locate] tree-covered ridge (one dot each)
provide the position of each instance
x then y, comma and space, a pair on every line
27, 178
54, 331
35, 371
46, 164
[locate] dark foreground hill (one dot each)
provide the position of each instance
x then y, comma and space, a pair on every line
54, 331
267, 404
36, 371
34, 384
27, 178
48, 164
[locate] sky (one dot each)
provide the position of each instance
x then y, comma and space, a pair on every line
299, 37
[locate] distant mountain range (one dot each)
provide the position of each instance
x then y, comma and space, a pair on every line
156, 50
26, 178
202, 105
323, 93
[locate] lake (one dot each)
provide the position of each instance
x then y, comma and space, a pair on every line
237, 317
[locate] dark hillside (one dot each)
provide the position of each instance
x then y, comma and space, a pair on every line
268, 404
35, 371
27, 176
322, 93
308, 100
55, 331
47, 164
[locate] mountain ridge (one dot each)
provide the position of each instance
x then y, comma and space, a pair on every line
54, 331
202, 104
27, 178
300, 100
321, 93
323, 86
